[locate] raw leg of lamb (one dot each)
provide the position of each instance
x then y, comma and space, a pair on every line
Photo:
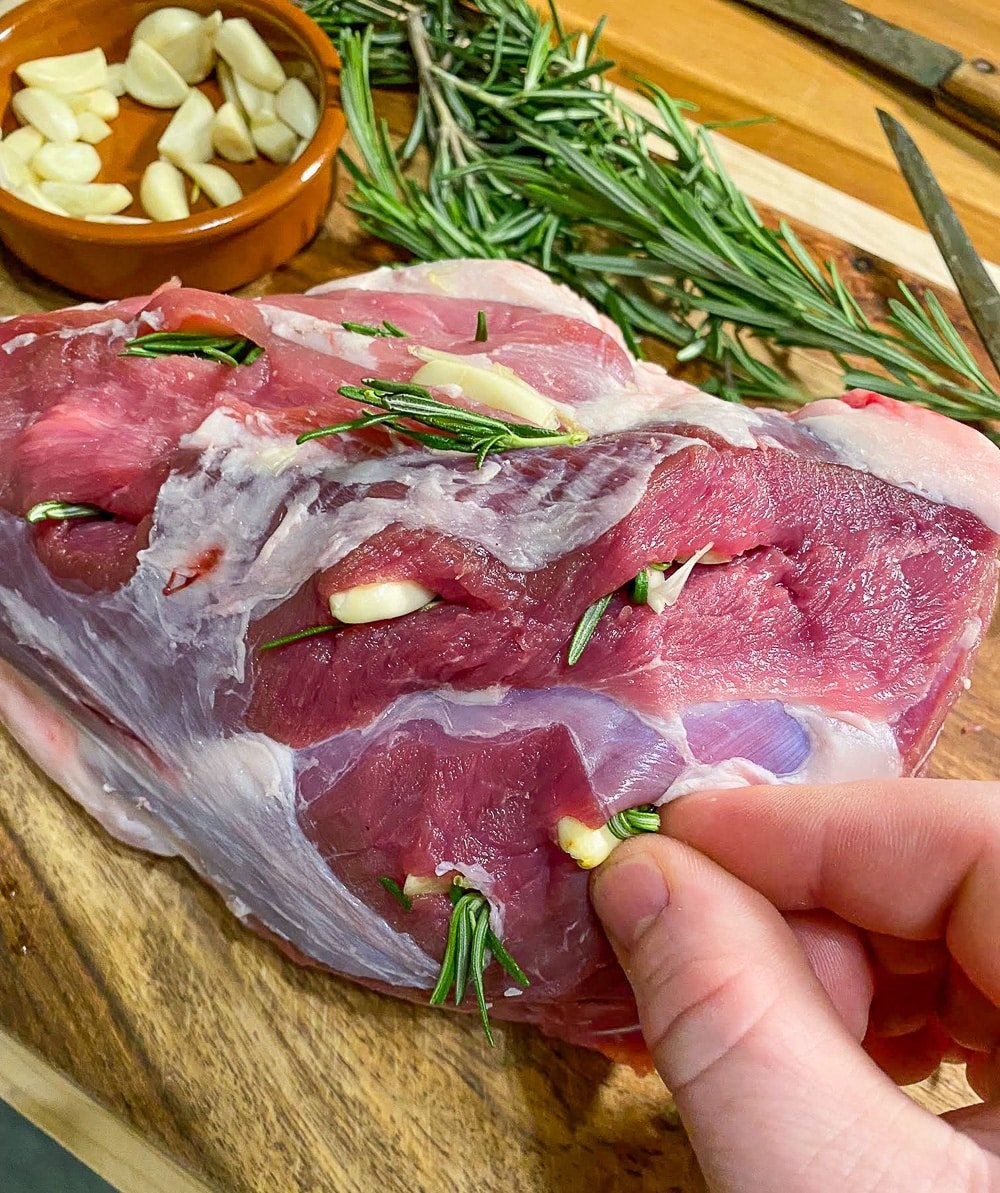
824, 579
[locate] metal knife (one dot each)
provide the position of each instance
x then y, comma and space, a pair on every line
966, 90
981, 298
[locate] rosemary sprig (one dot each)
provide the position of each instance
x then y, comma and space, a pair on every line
482, 331
62, 511
396, 405
397, 892
299, 635
585, 628
470, 938
367, 329
226, 350
633, 821
535, 156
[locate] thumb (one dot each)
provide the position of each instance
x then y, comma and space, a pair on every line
774, 1092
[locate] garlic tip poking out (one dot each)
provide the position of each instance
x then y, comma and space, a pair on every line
588, 847
417, 885
379, 602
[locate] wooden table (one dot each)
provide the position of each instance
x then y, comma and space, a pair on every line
147, 1030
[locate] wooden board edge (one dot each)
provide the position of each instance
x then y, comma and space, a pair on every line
94, 1135
800, 197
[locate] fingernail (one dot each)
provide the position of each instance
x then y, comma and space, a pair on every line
628, 896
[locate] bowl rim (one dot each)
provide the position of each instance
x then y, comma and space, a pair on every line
218, 221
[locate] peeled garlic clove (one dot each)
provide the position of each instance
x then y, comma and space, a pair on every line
88, 198
255, 102
25, 142
227, 84
67, 163
379, 602
165, 24
151, 79
230, 135
15, 172
116, 79
102, 103
188, 136
161, 192
220, 186
276, 141
93, 129
296, 106
114, 219
239, 43
192, 54
31, 194
47, 113
67, 72
299, 149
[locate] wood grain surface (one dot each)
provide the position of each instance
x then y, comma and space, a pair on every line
737, 63
198, 1058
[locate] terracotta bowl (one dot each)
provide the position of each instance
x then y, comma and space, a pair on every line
216, 248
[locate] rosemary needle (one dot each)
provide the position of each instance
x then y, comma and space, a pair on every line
397, 405
61, 511
633, 821
226, 350
585, 628
469, 940
482, 332
397, 892
299, 635
368, 329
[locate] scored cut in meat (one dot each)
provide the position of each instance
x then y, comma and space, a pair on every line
853, 572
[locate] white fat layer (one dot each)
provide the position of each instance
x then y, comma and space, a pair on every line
918, 451
64, 749
322, 335
486, 281
21, 341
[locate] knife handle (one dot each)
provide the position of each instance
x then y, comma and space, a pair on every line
971, 96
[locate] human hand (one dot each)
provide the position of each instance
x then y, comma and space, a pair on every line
771, 1027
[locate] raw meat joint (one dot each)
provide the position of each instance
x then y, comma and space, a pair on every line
846, 570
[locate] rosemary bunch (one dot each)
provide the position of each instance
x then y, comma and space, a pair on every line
533, 155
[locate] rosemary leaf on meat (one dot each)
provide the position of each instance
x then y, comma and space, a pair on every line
633, 821
397, 892
398, 405
63, 511
585, 628
482, 331
470, 938
367, 329
225, 350
299, 635
535, 156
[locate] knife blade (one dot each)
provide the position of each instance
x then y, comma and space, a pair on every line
981, 298
967, 90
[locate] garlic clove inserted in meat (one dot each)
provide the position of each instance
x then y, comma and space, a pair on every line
382, 601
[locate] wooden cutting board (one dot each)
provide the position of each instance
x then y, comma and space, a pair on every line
172, 1050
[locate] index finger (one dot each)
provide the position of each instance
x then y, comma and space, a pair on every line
913, 858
